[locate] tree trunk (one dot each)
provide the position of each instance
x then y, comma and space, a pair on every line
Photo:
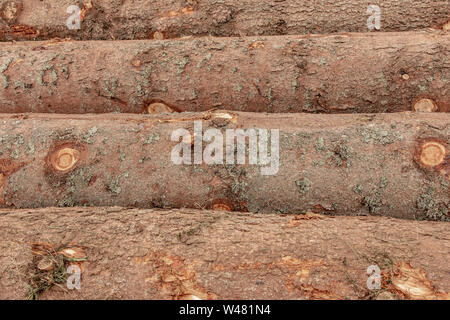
389, 164
189, 254
137, 19
333, 74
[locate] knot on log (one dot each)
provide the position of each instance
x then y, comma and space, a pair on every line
425, 105
432, 154
159, 107
158, 35
222, 205
66, 157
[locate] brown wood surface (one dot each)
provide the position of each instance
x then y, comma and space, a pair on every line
377, 72
190, 254
387, 164
140, 19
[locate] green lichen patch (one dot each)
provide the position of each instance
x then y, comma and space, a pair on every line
304, 185
67, 202
3, 68
373, 202
319, 144
181, 64
63, 134
66, 72
121, 155
30, 148
90, 135
113, 185
358, 189
143, 159
152, 138
5, 79
383, 182
340, 156
79, 179
12, 144
236, 176
288, 141
378, 135
432, 207
6, 65
110, 87
20, 84
304, 139
47, 75
76, 182
204, 60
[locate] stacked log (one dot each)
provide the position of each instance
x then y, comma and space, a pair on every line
137, 19
388, 164
354, 73
199, 254
204, 149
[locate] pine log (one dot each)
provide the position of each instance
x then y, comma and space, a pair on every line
138, 19
350, 73
388, 164
190, 254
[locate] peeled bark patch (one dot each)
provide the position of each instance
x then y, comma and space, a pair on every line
192, 254
136, 160
50, 267
351, 73
45, 264
413, 283
136, 19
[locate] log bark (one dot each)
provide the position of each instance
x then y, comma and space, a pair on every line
334, 74
137, 19
188, 254
389, 164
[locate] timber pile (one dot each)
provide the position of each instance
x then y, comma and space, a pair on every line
360, 175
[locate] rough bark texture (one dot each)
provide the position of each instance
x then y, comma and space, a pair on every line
185, 254
138, 19
340, 74
388, 164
